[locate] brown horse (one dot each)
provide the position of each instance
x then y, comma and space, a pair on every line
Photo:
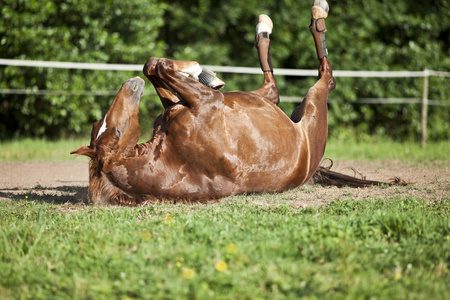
208, 144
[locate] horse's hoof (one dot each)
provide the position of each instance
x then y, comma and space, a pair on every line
320, 9
209, 78
264, 24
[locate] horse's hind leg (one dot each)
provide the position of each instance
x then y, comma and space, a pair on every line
312, 113
319, 12
318, 94
268, 89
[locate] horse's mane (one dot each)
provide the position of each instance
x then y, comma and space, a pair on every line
103, 192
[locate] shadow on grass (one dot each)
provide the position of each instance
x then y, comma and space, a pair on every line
52, 195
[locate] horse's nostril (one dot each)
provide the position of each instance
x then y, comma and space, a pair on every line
135, 87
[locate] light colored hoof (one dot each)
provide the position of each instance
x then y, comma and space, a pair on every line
266, 20
320, 9
264, 24
217, 84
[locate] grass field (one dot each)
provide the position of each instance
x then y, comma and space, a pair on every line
244, 247
44, 150
378, 249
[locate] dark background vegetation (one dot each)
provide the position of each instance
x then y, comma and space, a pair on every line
362, 35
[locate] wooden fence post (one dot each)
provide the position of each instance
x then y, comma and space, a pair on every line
424, 106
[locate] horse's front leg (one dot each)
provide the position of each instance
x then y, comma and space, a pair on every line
167, 96
189, 67
176, 81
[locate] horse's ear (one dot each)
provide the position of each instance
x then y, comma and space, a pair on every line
84, 151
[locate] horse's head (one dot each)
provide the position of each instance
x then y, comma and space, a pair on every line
119, 130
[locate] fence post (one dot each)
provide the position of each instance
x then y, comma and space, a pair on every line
424, 114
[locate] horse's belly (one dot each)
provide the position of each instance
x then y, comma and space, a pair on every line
262, 148
239, 149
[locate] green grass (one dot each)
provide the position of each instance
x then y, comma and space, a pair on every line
377, 249
39, 149
385, 149
44, 150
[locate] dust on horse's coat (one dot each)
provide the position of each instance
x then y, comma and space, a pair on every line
207, 144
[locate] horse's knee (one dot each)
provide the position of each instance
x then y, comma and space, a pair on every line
163, 66
150, 66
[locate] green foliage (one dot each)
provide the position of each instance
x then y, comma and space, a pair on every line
78, 31
362, 35
386, 35
378, 248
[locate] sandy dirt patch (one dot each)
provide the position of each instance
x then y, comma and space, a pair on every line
54, 182
66, 182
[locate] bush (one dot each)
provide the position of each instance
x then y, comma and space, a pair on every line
77, 31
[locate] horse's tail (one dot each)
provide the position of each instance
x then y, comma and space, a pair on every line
325, 177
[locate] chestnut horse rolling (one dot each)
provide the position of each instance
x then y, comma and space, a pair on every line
208, 144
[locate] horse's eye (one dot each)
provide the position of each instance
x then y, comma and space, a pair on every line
118, 132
